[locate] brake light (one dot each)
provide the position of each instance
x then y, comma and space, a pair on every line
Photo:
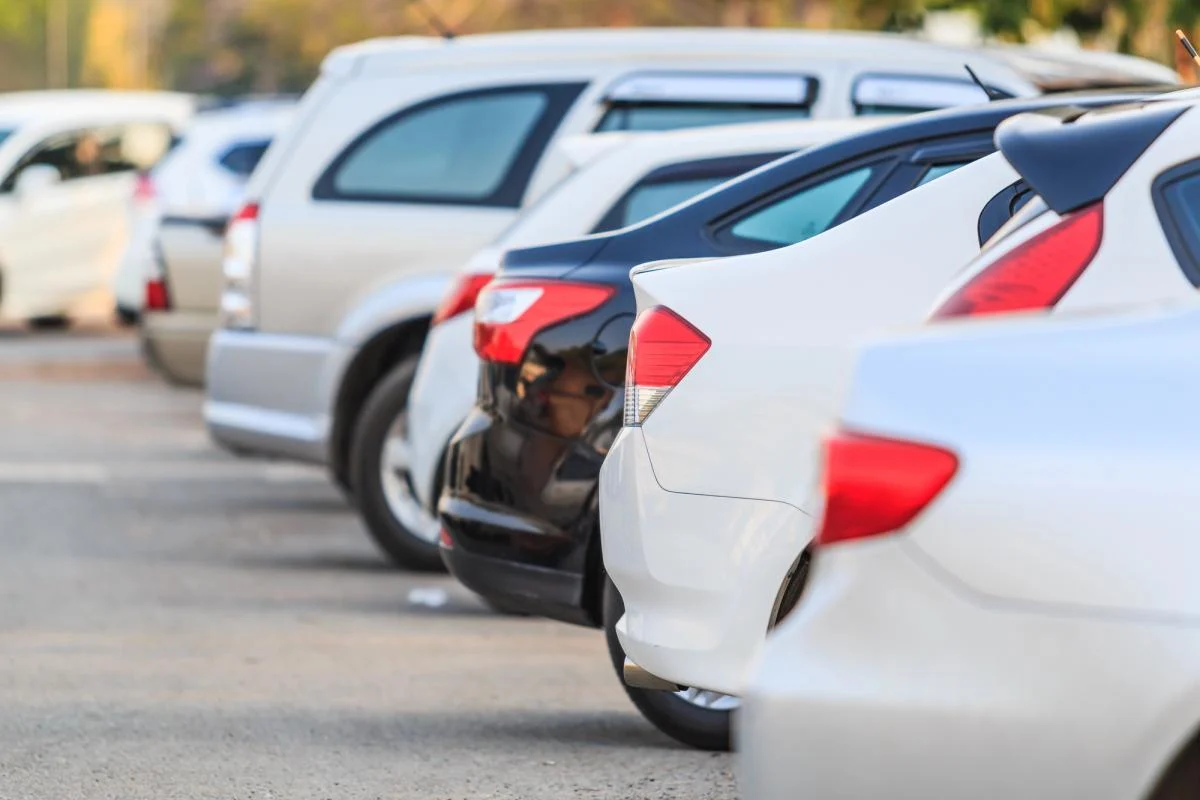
1035, 274
238, 268
157, 297
508, 314
144, 190
663, 347
461, 296
873, 485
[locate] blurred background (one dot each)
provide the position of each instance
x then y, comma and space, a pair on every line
238, 46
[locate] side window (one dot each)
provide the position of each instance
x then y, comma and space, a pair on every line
1177, 200
802, 214
936, 171
242, 158
475, 148
95, 152
669, 186
675, 116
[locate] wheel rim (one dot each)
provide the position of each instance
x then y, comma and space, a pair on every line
711, 701
396, 479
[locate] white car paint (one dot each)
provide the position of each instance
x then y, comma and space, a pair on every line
703, 509
61, 239
191, 183
276, 385
445, 387
1035, 630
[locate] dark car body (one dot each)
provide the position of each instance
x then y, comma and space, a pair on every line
519, 499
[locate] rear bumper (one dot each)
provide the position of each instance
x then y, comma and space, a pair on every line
176, 343
442, 396
524, 501
273, 395
700, 575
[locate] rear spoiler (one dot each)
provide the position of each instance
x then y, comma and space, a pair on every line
1073, 160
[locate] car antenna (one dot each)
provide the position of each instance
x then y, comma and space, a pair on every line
992, 94
1187, 45
435, 22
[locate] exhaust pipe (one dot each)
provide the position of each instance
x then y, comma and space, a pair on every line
639, 678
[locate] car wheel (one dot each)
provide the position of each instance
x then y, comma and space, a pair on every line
402, 528
50, 322
694, 717
127, 317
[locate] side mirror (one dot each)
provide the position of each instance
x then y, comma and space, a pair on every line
35, 179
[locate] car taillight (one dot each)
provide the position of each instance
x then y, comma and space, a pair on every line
509, 313
663, 347
238, 268
874, 485
144, 190
1035, 274
157, 297
461, 296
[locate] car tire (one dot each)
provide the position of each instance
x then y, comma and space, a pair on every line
127, 317
50, 322
387, 401
701, 728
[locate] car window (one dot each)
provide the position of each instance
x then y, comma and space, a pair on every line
803, 214
95, 152
4, 135
472, 148
1177, 197
911, 94
938, 170
242, 158
675, 116
647, 200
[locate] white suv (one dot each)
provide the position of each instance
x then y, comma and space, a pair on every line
408, 155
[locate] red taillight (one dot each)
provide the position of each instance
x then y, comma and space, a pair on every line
144, 190
1035, 274
247, 213
663, 347
874, 485
461, 296
508, 314
157, 296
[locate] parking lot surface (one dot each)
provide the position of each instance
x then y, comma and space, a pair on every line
178, 623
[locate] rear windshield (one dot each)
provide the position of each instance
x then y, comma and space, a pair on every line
674, 116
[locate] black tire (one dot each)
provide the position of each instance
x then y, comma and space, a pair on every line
127, 317
386, 402
701, 728
50, 322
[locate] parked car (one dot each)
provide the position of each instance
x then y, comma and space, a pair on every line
68, 166
1001, 598
409, 155
620, 179
173, 260
520, 496
738, 504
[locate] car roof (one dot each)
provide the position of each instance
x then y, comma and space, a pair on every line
19, 108
1045, 70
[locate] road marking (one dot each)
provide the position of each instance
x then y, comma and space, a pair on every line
99, 473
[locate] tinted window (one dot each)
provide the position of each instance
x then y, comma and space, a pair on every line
673, 116
1179, 206
475, 148
241, 159
647, 200
94, 152
806, 213
938, 170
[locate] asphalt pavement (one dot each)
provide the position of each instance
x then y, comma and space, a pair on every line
178, 623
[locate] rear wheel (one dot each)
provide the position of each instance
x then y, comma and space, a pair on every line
379, 475
694, 717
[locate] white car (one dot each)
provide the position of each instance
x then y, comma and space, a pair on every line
201, 178
738, 505
68, 167
176, 260
409, 155
617, 182
1001, 600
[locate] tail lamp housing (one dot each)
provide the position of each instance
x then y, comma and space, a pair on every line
874, 485
663, 348
510, 313
461, 296
239, 267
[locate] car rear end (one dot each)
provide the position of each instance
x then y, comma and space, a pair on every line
976, 620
